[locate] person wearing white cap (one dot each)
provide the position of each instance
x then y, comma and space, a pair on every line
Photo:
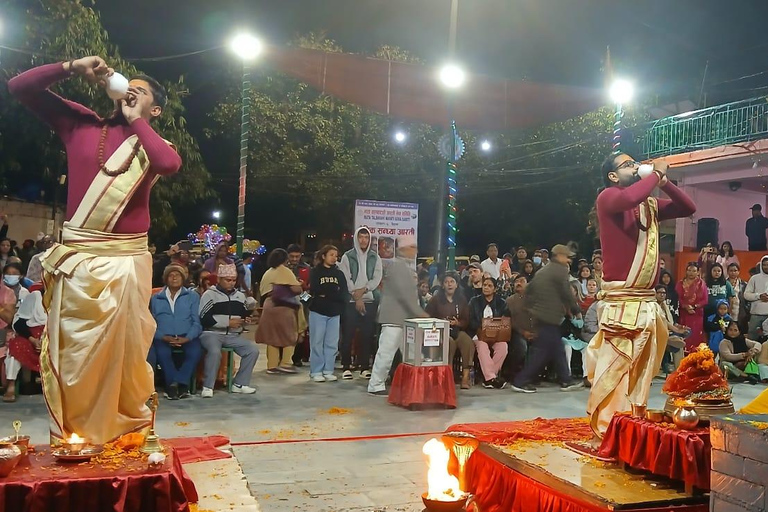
223, 314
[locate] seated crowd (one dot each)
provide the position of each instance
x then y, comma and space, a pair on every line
332, 310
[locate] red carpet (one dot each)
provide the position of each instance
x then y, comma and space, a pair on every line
198, 449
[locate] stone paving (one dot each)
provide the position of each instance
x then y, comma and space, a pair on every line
362, 475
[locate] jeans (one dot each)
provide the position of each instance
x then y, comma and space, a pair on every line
323, 343
547, 349
517, 349
193, 351
213, 343
354, 321
389, 343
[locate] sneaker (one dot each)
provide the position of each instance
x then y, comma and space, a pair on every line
318, 378
183, 391
298, 364
246, 390
347, 375
488, 384
572, 386
172, 392
273, 371
523, 389
498, 383
206, 393
286, 369
330, 378
383, 392
365, 374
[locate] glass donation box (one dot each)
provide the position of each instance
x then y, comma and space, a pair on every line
426, 342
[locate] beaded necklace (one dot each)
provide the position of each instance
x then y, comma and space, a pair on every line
126, 165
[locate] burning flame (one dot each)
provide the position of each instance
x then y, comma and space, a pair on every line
75, 439
442, 485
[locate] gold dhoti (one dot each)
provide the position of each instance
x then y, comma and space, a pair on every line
95, 376
626, 353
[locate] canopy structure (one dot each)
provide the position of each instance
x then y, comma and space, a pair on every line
413, 92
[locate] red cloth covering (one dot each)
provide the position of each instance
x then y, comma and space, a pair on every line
659, 448
197, 449
23, 350
539, 429
423, 385
498, 488
39, 484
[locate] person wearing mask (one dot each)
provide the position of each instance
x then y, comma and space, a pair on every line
176, 310
544, 257
719, 289
736, 351
549, 299
521, 256
756, 293
12, 279
328, 288
726, 255
449, 304
474, 285
278, 325
755, 229
222, 316
738, 286
488, 305
625, 355
522, 330
24, 348
492, 265
537, 258
399, 301
35, 269
694, 296
363, 270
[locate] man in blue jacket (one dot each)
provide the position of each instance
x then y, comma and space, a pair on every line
176, 311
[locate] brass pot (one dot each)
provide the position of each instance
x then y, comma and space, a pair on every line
686, 417
22, 442
10, 455
655, 415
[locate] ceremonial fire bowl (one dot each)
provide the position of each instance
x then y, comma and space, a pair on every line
21, 441
10, 455
445, 506
686, 418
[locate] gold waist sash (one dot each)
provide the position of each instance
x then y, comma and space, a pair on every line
623, 306
80, 244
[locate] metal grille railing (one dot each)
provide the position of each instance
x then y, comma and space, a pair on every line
731, 123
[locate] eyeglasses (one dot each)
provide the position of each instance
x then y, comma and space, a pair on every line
627, 163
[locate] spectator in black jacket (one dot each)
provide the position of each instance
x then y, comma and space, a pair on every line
328, 288
488, 305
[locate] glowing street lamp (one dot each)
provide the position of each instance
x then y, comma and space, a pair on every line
216, 214
247, 47
621, 93
485, 145
452, 76
400, 137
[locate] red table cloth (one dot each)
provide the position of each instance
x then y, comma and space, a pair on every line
40, 484
423, 385
660, 449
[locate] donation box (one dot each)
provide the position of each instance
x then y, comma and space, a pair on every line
426, 342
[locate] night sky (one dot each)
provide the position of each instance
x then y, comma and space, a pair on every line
664, 45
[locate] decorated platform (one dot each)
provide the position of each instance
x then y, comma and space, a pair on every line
525, 466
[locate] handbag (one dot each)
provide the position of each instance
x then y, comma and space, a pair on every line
751, 368
496, 330
283, 296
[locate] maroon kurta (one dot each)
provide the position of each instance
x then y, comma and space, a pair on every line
80, 129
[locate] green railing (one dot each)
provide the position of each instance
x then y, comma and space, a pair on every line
731, 123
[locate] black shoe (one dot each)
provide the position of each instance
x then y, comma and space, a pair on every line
298, 364
172, 392
488, 384
498, 383
523, 389
183, 391
752, 379
572, 386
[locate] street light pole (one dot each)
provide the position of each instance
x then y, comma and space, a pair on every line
245, 121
